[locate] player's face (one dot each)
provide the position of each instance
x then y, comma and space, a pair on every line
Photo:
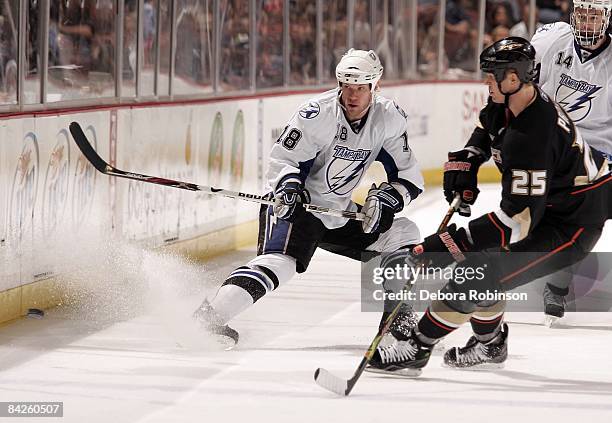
494, 92
356, 100
508, 85
588, 20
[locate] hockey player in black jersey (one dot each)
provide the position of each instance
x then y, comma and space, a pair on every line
555, 201
582, 84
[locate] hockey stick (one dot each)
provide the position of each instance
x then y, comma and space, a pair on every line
344, 387
94, 158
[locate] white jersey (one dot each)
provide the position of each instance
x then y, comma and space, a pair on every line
331, 157
582, 86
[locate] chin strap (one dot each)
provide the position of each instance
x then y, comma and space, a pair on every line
507, 95
339, 99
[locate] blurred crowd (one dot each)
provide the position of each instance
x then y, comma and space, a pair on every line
503, 18
82, 41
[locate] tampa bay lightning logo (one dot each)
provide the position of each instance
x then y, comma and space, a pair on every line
576, 97
311, 111
346, 169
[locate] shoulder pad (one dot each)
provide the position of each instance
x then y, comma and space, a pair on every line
400, 110
545, 28
556, 28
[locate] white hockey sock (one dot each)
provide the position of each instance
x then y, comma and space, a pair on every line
247, 284
230, 301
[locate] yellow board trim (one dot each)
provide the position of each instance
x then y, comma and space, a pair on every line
214, 244
10, 304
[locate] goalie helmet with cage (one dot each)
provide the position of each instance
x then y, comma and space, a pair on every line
590, 20
359, 67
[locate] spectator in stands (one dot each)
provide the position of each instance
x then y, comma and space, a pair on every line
457, 19
8, 55
500, 15
149, 20
130, 39
235, 46
554, 10
33, 24
513, 7
427, 36
270, 46
103, 42
75, 33
54, 54
334, 37
457, 31
521, 29
361, 28
302, 61
499, 33
428, 53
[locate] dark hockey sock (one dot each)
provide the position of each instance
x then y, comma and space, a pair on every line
394, 282
558, 291
485, 328
256, 281
432, 327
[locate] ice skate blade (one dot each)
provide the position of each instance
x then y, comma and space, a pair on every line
225, 337
226, 342
477, 367
440, 347
409, 373
551, 321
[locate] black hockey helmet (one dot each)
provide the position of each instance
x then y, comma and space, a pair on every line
514, 53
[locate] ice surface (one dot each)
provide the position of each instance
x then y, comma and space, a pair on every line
152, 365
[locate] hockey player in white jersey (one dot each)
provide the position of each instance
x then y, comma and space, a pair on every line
574, 61
322, 154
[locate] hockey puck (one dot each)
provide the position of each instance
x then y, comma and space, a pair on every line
35, 313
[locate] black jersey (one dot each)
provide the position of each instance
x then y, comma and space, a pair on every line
548, 171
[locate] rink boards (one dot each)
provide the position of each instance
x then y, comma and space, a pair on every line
52, 200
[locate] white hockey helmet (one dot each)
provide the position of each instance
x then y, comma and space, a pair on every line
589, 20
360, 67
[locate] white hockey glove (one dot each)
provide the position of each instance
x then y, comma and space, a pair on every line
380, 207
288, 196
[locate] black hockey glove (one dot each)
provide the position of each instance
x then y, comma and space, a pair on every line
460, 176
380, 207
288, 195
443, 249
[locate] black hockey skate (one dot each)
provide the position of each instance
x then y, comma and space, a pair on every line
406, 356
554, 305
211, 322
477, 355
